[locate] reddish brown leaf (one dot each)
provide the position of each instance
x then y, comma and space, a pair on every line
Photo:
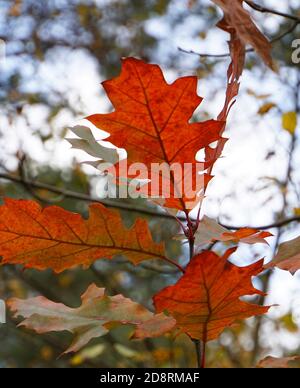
58, 239
245, 235
238, 21
92, 319
151, 120
207, 297
210, 231
235, 69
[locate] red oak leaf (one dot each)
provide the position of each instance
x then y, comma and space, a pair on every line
206, 299
151, 121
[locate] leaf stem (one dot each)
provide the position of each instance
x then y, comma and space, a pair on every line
198, 353
199, 345
191, 246
203, 351
174, 263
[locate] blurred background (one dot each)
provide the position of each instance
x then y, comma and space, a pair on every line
57, 53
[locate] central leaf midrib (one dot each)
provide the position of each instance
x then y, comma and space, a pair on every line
209, 306
158, 134
87, 244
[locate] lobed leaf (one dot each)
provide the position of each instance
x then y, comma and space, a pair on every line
58, 239
151, 121
92, 319
206, 299
288, 256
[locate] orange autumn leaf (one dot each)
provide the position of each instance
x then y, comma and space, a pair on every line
92, 319
151, 121
206, 299
59, 239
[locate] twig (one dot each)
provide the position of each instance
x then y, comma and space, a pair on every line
85, 197
285, 33
277, 224
262, 9
29, 188
249, 50
204, 55
199, 345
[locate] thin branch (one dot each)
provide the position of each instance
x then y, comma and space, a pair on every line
178, 266
204, 55
262, 9
277, 224
157, 268
199, 345
85, 197
30, 189
249, 50
121, 206
285, 33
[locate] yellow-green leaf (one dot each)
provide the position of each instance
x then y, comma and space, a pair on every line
297, 211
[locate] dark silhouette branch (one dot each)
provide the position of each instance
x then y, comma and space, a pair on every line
277, 224
262, 9
122, 206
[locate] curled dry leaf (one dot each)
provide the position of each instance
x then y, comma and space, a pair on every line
87, 142
288, 256
234, 72
210, 231
92, 319
59, 239
206, 299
